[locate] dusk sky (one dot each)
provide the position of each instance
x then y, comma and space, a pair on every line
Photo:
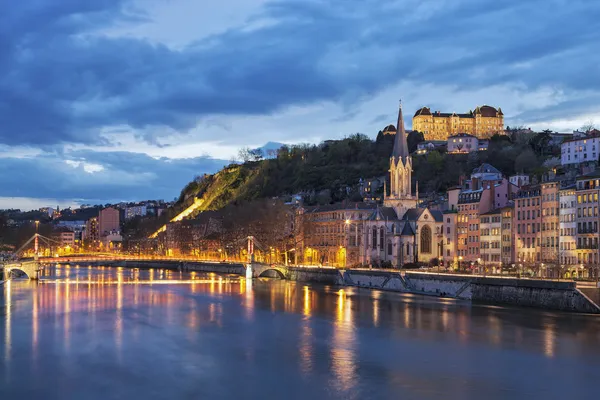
109, 100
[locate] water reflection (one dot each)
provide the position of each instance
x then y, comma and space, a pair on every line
347, 343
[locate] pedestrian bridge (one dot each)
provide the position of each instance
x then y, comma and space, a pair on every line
29, 268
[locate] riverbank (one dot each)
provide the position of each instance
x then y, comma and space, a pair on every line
549, 295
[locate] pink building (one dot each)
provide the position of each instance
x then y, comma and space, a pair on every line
108, 221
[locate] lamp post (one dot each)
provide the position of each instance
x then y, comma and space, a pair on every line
460, 258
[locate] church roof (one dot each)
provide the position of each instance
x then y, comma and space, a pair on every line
383, 213
407, 230
437, 215
400, 151
412, 214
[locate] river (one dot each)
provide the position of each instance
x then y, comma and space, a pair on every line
104, 333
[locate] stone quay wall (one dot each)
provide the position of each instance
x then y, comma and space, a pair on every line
549, 295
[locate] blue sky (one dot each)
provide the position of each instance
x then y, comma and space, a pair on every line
110, 100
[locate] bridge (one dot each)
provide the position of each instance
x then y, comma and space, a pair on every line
30, 268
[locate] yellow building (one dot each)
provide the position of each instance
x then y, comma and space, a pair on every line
484, 122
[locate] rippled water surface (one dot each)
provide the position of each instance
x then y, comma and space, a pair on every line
103, 333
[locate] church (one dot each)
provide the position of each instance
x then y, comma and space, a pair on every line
399, 232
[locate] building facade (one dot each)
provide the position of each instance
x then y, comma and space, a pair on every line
587, 190
580, 150
568, 226
508, 236
135, 211
491, 240
528, 212
549, 220
108, 221
462, 143
483, 122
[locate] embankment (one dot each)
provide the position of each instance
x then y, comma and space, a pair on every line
549, 295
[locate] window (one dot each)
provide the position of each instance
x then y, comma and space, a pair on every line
381, 234
389, 246
426, 239
374, 237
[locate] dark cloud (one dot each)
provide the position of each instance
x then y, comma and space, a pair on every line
124, 176
59, 83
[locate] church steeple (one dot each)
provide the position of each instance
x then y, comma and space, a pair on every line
400, 151
400, 198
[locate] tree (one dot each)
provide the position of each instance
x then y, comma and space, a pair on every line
413, 139
526, 161
245, 154
587, 127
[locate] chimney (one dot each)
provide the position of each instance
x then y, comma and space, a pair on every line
475, 183
492, 195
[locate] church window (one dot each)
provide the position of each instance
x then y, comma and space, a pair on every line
389, 247
381, 234
374, 242
426, 239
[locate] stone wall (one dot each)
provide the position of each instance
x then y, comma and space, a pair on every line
550, 295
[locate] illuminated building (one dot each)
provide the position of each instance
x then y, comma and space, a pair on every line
483, 122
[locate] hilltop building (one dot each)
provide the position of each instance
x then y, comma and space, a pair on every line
483, 122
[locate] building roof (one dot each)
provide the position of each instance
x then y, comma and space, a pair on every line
437, 215
486, 111
486, 168
593, 174
383, 213
493, 212
423, 111
407, 230
400, 151
461, 135
389, 128
412, 214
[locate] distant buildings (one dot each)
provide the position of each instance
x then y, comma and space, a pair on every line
580, 150
483, 122
67, 238
463, 143
108, 221
91, 234
135, 211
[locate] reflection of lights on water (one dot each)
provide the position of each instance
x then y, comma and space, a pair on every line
306, 301
249, 303
549, 340
7, 326
376, 312
343, 345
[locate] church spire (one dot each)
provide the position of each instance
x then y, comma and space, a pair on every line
400, 146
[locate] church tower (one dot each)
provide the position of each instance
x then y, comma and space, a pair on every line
400, 198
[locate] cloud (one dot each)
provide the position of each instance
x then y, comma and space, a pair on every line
100, 176
112, 99
62, 81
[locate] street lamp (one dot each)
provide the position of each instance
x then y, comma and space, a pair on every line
460, 258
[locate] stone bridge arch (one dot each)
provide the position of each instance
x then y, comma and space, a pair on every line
262, 270
29, 268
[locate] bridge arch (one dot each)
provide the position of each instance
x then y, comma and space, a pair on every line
271, 273
23, 270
